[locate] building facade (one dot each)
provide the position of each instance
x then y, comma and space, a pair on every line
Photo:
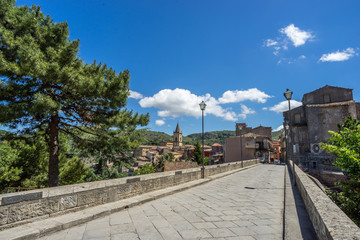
249, 143
308, 125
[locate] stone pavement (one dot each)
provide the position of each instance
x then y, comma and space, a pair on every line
245, 205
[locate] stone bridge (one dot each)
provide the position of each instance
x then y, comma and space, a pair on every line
242, 200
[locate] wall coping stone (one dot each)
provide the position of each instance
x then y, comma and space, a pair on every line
329, 221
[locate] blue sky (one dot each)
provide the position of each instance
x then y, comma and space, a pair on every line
238, 56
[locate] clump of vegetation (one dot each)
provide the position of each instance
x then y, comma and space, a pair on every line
345, 144
169, 157
146, 169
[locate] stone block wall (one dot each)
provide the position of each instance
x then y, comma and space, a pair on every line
23, 207
172, 166
327, 218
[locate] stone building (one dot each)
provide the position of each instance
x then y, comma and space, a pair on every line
248, 143
177, 139
310, 123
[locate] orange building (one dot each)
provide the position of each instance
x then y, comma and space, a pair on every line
276, 149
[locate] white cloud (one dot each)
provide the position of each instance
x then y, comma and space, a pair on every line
338, 56
135, 95
269, 42
181, 102
265, 108
245, 111
296, 35
235, 96
281, 127
159, 122
288, 34
283, 106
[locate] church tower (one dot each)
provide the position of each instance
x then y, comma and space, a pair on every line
177, 138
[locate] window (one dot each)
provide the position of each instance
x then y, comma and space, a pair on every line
314, 164
297, 118
326, 98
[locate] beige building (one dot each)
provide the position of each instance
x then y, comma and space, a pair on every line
249, 143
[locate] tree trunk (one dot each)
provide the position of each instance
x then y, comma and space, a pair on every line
54, 151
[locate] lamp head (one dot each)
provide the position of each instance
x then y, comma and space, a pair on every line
288, 94
202, 105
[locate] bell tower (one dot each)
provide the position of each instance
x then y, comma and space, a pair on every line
177, 138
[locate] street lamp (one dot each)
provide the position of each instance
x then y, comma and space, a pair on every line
288, 94
254, 146
202, 107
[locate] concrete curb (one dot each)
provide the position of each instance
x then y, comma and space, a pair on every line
41, 228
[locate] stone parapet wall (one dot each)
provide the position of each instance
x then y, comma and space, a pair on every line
172, 166
23, 207
327, 218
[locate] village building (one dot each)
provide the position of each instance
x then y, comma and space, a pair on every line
321, 111
150, 154
249, 143
276, 154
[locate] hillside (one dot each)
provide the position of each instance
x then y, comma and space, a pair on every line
212, 137
276, 134
154, 138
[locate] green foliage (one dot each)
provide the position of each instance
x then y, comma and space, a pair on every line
198, 154
110, 147
348, 205
211, 137
146, 169
72, 172
44, 84
154, 138
345, 144
169, 157
276, 134
23, 162
8, 172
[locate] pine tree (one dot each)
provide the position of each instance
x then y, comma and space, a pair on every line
44, 84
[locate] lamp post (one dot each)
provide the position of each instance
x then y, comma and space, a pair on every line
242, 163
254, 146
202, 107
288, 95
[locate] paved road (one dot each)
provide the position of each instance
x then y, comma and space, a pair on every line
245, 205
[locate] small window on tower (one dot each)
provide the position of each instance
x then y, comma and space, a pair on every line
326, 98
297, 118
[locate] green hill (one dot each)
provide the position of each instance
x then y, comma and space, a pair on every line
154, 138
276, 134
212, 137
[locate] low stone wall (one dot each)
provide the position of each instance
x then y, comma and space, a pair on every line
327, 218
172, 166
329, 178
24, 207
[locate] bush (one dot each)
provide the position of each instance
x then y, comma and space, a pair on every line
72, 172
345, 145
146, 169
